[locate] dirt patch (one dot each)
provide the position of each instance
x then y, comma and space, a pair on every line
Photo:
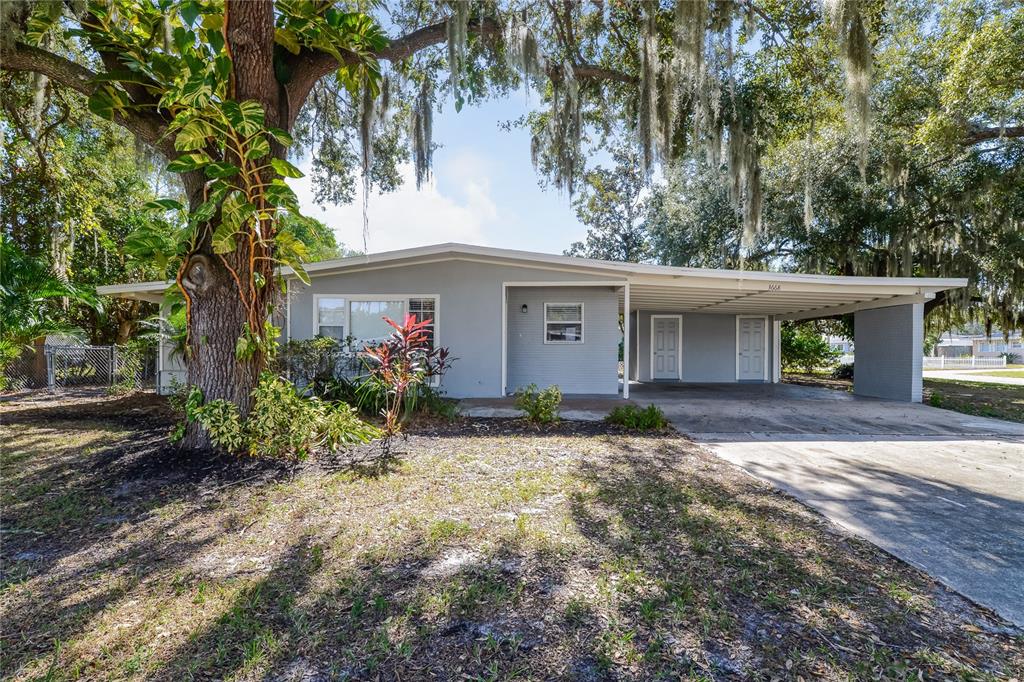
482, 549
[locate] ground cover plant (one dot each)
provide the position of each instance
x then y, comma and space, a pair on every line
539, 406
483, 549
634, 418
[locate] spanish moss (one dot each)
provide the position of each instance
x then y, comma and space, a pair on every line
855, 54
421, 123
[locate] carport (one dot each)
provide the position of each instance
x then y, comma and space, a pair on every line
693, 325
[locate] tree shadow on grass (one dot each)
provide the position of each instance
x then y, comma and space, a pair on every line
675, 565
740, 580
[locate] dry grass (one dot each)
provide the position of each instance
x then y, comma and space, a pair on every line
484, 550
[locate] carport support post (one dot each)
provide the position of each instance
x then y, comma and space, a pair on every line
625, 343
888, 352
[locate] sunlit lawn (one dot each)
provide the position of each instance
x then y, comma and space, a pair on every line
485, 550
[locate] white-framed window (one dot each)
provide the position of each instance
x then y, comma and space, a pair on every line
331, 317
425, 309
361, 317
563, 323
367, 319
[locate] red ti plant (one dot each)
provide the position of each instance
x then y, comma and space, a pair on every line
401, 363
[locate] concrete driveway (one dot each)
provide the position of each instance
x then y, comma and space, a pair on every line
941, 490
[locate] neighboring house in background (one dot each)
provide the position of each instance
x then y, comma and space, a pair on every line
954, 347
985, 347
840, 344
979, 346
512, 318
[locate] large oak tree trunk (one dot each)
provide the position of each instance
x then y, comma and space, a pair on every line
218, 313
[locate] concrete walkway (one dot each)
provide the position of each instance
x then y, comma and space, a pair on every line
941, 490
973, 375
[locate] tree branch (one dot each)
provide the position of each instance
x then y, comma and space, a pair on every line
976, 134
147, 127
309, 66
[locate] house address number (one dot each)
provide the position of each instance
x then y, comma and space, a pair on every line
774, 287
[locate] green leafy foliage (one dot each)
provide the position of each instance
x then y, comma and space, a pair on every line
635, 418
540, 406
843, 371
282, 423
805, 347
9, 352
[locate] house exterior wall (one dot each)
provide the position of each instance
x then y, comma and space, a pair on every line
890, 343
588, 367
708, 346
170, 368
469, 310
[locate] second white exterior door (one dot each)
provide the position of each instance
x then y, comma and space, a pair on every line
750, 349
665, 348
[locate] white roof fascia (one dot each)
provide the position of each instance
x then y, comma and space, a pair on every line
636, 273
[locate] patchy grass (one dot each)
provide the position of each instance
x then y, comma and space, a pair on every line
1002, 401
1007, 373
484, 550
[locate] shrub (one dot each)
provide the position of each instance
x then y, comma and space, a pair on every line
311, 363
634, 418
281, 424
541, 407
804, 347
9, 352
843, 371
398, 366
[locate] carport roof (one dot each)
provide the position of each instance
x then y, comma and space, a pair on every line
787, 295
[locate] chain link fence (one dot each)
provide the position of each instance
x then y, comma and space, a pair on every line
58, 367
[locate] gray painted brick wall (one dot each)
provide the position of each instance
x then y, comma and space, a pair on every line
590, 367
709, 347
889, 346
468, 316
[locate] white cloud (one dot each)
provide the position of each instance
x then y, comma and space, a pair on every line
410, 217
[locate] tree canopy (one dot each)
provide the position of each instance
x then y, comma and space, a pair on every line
907, 111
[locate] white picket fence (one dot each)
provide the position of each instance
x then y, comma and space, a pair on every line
963, 363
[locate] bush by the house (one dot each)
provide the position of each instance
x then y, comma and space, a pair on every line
805, 348
541, 407
634, 418
281, 424
313, 363
399, 366
843, 371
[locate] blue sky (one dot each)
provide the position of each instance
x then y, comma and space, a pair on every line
484, 192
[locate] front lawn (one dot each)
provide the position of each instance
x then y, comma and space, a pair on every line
1009, 373
1002, 401
485, 549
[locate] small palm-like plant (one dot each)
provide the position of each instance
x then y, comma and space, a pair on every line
400, 364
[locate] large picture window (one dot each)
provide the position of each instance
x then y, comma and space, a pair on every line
367, 319
563, 323
361, 318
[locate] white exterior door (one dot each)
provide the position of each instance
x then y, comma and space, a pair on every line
665, 348
750, 349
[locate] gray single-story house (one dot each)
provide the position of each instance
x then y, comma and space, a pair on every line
512, 318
